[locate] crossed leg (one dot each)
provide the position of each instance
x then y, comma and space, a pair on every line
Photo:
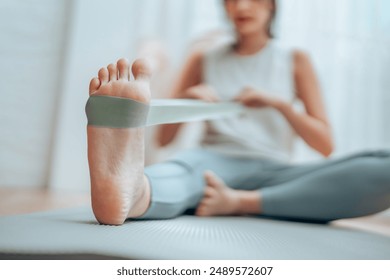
350, 187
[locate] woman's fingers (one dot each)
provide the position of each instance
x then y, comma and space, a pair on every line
244, 96
251, 98
202, 92
211, 97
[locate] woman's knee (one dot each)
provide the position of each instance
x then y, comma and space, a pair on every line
377, 164
369, 175
383, 154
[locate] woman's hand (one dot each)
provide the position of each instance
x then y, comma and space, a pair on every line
202, 92
256, 99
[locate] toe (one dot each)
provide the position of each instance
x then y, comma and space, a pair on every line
103, 76
113, 72
94, 85
201, 211
209, 192
123, 69
141, 69
208, 201
213, 180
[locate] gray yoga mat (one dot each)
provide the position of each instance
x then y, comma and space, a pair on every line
75, 234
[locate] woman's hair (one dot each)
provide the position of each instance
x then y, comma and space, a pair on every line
272, 18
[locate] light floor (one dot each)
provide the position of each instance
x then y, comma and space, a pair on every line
20, 201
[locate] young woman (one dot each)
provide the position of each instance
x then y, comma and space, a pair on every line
242, 166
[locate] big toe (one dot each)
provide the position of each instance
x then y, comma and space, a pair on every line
142, 69
202, 210
213, 180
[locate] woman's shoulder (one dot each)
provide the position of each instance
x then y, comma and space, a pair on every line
297, 56
300, 56
219, 49
283, 47
211, 42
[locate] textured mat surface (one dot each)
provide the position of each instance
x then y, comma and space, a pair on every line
74, 233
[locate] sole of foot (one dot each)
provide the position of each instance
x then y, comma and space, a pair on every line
119, 188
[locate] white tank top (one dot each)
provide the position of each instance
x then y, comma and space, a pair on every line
259, 132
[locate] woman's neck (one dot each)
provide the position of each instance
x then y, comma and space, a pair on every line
250, 44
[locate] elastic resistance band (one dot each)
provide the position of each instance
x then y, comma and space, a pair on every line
117, 112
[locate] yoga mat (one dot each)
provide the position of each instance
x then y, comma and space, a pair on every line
75, 234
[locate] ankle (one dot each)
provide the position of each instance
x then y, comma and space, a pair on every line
248, 202
142, 202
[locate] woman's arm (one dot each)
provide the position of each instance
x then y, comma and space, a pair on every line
190, 76
312, 125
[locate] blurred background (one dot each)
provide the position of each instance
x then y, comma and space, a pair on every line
49, 51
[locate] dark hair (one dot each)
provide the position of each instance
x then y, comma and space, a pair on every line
272, 20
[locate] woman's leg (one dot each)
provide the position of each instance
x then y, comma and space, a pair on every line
349, 187
272, 173
356, 186
178, 184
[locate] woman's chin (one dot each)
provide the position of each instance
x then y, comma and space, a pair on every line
245, 31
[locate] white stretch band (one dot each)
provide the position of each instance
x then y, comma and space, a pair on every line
163, 111
118, 112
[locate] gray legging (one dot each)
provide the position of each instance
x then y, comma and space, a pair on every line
333, 189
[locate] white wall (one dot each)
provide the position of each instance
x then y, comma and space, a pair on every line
98, 36
32, 39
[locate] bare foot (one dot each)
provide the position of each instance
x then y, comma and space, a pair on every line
119, 188
219, 199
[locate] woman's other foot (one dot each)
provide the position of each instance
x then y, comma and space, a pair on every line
221, 200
